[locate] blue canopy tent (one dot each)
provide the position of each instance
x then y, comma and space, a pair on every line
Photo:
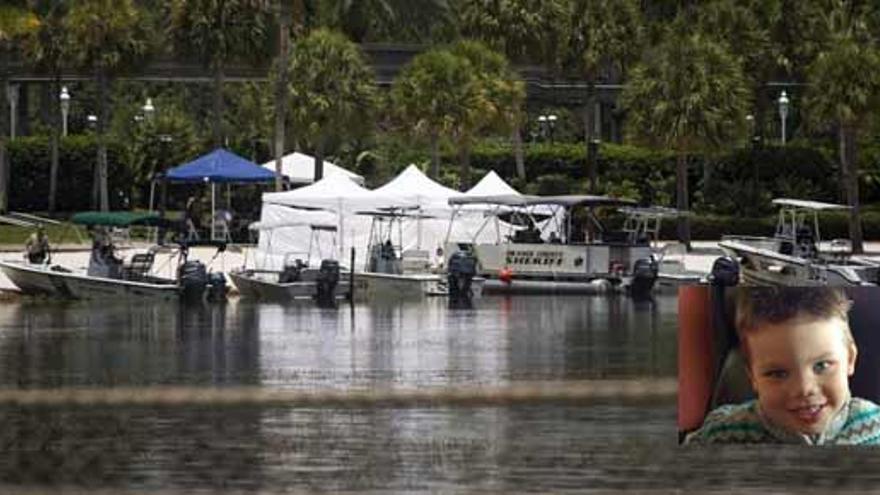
219, 166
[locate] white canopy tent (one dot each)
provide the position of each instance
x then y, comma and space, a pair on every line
491, 185
334, 195
299, 168
342, 199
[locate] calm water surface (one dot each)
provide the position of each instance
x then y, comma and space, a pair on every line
540, 448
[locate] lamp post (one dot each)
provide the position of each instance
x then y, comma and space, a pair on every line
547, 122
783, 102
65, 109
12, 95
148, 109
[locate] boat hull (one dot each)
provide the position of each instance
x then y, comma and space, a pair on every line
369, 285
762, 266
58, 281
546, 268
263, 285
535, 287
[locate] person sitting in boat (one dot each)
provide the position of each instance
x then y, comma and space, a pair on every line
37, 246
798, 351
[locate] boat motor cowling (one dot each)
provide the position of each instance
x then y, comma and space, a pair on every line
328, 279
460, 273
644, 276
725, 272
193, 277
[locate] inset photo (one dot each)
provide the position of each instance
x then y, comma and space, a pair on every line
779, 365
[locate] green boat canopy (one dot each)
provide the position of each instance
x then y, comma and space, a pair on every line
115, 218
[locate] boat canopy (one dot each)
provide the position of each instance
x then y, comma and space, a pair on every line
808, 205
115, 218
280, 224
568, 201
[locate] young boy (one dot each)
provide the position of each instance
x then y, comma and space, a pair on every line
799, 354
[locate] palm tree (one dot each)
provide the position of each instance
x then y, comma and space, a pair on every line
15, 22
105, 35
602, 35
47, 48
502, 95
432, 94
216, 33
285, 18
331, 90
521, 29
844, 91
366, 20
688, 95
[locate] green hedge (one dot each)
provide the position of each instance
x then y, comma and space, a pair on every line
712, 227
29, 174
740, 182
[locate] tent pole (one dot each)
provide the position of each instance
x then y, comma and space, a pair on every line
213, 201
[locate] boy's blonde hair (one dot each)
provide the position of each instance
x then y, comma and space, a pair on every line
758, 306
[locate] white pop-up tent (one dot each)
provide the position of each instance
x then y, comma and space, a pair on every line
299, 168
334, 195
414, 186
491, 185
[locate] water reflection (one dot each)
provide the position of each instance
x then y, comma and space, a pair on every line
496, 341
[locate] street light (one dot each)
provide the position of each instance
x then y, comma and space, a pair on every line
65, 108
148, 108
92, 121
783, 112
547, 122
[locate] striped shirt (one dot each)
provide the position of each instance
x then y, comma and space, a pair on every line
857, 423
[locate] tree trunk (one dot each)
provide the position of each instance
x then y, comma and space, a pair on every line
101, 163
465, 167
284, 7
518, 153
848, 164
435, 156
319, 159
681, 199
4, 131
55, 117
217, 127
589, 114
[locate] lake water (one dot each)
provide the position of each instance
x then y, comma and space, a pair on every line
617, 444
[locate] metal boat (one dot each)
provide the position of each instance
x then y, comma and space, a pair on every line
796, 255
394, 273
296, 279
108, 276
524, 258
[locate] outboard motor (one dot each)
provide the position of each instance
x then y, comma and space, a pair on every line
460, 273
291, 273
328, 279
216, 287
193, 277
725, 272
644, 276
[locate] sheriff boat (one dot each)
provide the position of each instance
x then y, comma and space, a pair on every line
555, 257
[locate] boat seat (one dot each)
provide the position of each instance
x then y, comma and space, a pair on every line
139, 267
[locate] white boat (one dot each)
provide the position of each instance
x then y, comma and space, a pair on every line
521, 260
297, 279
795, 255
108, 276
394, 273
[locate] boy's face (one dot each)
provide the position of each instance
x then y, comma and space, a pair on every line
800, 369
